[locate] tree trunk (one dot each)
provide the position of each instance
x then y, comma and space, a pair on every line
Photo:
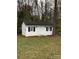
55, 17
28, 2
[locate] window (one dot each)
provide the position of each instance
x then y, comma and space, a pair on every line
48, 28
28, 29
34, 29
31, 29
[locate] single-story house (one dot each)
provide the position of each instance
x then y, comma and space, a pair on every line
37, 28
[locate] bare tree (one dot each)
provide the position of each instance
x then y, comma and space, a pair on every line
19, 5
55, 17
42, 9
45, 7
35, 6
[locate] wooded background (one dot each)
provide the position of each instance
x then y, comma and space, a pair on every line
39, 10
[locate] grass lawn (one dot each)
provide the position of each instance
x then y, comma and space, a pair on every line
39, 47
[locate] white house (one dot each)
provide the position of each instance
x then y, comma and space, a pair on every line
36, 29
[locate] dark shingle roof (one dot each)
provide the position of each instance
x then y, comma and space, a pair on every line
38, 23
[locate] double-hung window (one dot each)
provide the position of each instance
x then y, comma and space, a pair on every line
31, 29
48, 28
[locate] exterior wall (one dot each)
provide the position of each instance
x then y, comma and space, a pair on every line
23, 29
39, 31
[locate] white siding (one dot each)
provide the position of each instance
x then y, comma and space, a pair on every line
23, 29
39, 30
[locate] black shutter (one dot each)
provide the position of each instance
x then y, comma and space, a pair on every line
46, 28
28, 29
50, 28
34, 29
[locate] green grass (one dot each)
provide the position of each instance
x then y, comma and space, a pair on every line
38, 47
